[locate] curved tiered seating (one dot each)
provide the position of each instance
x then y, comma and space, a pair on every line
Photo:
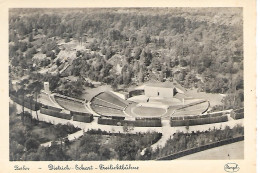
111, 98
108, 104
45, 99
193, 108
106, 111
71, 105
98, 101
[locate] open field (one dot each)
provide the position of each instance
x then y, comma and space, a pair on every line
231, 151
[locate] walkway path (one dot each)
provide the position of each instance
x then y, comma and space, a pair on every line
166, 133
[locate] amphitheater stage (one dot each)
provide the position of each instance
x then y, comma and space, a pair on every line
144, 106
109, 104
153, 105
156, 100
149, 110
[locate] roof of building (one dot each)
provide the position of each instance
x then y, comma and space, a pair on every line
161, 84
166, 84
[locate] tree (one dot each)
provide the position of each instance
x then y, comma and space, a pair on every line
51, 54
114, 35
126, 148
156, 64
183, 63
187, 128
147, 154
126, 77
31, 104
128, 127
146, 57
23, 91
141, 76
23, 46
127, 52
114, 85
105, 153
103, 50
67, 39
30, 38
144, 39
60, 133
92, 156
137, 53
31, 143
109, 53
35, 87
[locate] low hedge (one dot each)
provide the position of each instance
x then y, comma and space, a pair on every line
176, 118
239, 110
109, 121
148, 124
83, 118
115, 122
80, 113
136, 93
237, 116
55, 113
118, 118
191, 117
136, 123
52, 108
200, 121
153, 122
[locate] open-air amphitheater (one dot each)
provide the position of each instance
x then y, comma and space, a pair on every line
145, 106
162, 109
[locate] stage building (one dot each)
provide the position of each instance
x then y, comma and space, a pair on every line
165, 90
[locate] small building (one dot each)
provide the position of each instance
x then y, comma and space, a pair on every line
165, 90
47, 87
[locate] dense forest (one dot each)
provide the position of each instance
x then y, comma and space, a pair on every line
199, 47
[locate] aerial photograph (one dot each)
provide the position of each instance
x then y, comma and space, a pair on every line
122, 84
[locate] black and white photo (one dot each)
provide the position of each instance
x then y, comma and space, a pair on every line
126, 84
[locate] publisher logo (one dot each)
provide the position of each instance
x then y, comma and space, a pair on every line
231, 167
